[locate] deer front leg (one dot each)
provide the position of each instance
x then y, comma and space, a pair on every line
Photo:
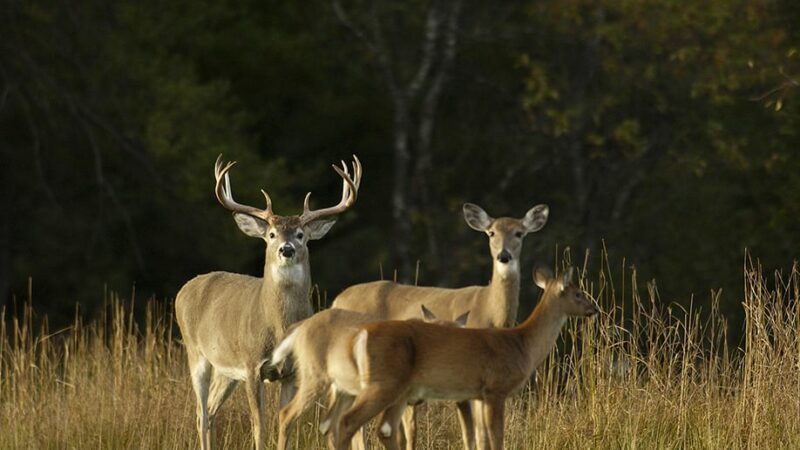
493, 411
467, 424
255, 399
201, 378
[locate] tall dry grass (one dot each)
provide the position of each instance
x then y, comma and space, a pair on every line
642, 375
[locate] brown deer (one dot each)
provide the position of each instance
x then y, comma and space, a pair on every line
231, 322
314, 342
492, 306
393, 363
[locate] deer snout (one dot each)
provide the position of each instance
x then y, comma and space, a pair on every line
287, 250
504, 256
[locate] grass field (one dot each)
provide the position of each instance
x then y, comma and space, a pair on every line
642, 375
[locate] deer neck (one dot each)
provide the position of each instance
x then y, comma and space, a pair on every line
503, 299
541, 329
285, 290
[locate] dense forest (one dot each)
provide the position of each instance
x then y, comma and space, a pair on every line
663, 130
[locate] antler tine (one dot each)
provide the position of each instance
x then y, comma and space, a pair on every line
225, 193
357, 171
345, 185
350, 186
268, 211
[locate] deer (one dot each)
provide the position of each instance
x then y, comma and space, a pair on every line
231, 322
492, 306
388, 365
312, 343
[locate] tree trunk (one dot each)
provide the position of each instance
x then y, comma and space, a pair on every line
400, 200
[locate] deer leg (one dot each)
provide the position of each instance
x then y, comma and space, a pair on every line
221, 389
306, 393
367, 404
479, 427
467, 425
360, 440
201, 374
338, 403
388, 425
493, 421
255, 399
288, 391
410, 427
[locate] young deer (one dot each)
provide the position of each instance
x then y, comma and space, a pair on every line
316, 345
231, 322
492, 306
401, 362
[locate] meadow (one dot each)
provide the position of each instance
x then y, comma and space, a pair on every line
643, 374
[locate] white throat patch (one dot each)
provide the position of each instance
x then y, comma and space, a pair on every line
507, 269
291, 274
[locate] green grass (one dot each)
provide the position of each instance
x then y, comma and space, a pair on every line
642, 375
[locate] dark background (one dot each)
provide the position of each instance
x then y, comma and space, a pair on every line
667, 129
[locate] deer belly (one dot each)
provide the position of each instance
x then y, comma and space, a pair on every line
452, 393
234, 373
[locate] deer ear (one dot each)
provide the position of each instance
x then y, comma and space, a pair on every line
318, 228
535, 218
462, 319
476, 217
568, 276
427, 314
251, 226
541, 276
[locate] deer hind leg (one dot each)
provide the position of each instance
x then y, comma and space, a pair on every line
409, 428
493, 422
389, 423
307, 392
255, 399
221, 389
200, 370
479, 426
467, 424
371, 401
288, 392
338, 403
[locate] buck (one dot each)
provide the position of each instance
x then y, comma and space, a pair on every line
314, 342
390, 364
492, 306
231, 322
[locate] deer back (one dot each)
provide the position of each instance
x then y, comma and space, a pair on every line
388, 300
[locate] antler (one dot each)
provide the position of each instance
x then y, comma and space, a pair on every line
349, 193
225, 195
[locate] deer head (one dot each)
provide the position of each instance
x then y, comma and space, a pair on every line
286, 237
570, 298
505, 234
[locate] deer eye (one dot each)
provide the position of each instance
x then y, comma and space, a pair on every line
299, 235
518, 234
491, 233
271, 235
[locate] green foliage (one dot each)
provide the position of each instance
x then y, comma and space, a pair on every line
665, 128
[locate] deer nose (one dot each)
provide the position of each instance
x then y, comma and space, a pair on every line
287, 250
504, 257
